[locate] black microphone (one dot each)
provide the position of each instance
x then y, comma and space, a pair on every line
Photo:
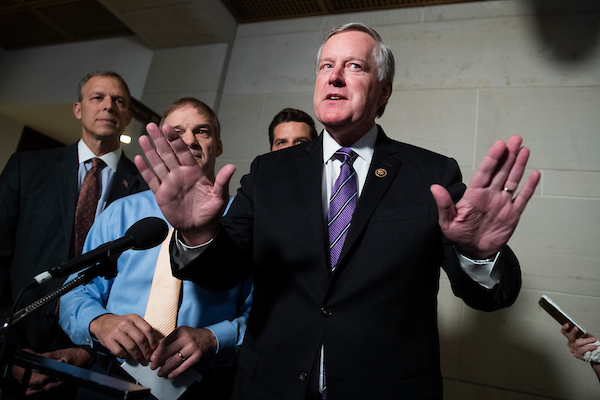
144, 234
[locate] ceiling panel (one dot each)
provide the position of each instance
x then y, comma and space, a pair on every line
28, 23
265, 10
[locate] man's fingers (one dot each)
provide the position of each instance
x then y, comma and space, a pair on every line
527, 191
147, 173
485, 172
123, 347
222, 180
125, 335
496, 166
170, 147
181, 150
183, 366
161, 157
505, 164
142, 339
174, 362
146, 337
446, 208
165, 349
517, 170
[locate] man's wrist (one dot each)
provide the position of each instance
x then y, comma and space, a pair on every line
477, 256
197, 238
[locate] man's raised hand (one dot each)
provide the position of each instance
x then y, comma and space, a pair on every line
488, 213
190, 201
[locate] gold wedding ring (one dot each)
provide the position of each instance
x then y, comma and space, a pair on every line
181, 355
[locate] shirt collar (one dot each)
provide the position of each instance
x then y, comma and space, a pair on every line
364, 147
111, 159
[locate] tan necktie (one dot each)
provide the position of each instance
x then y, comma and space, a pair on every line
163, 301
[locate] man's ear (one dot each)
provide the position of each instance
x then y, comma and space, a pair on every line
77, 110
219, 148
129, 116
386, 93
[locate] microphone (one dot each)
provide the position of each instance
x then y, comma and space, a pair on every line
144, 234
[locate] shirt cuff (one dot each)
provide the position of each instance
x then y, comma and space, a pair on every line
84, 336
225, 334
184, 254
481, 271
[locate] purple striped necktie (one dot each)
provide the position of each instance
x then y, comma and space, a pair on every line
342, 203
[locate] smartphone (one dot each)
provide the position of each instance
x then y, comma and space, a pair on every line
560, 315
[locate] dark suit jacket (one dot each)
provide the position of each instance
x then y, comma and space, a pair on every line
38, 196
376, 314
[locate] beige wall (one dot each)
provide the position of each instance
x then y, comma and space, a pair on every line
467, 75
39, 85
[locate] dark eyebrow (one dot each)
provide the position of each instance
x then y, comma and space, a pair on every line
194, 127
96, 93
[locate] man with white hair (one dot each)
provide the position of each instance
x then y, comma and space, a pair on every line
345, 237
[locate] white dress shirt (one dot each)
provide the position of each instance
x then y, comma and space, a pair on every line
107, 174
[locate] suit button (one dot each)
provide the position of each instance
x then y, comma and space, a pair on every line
303, 377
326, 312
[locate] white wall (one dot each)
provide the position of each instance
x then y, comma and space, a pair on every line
42, 82
467, 75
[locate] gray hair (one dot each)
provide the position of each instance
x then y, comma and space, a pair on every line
110, 74
384, 59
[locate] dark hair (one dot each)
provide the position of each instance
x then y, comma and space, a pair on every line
382, 54
110, 74
292, 115
198, 105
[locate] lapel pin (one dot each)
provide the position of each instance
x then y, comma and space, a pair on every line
125, 183
380, 173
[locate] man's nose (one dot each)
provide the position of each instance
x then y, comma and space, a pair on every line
336, 77
189, 138
107, 103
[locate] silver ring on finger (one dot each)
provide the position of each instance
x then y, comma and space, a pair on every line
182, 357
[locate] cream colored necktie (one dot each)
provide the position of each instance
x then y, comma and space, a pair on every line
163, 301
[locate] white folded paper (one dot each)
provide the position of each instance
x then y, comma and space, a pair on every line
161, 388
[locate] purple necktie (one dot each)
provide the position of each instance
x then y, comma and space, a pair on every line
342, 203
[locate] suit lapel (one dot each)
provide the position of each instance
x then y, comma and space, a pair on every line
385, 162
310, 177
126, 180
66, 181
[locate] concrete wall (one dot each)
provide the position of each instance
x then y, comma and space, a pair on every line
39, 85
467, 75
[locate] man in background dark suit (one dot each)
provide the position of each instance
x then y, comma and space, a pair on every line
361, 326
38, 197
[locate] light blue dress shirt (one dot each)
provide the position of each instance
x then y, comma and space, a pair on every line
224, 313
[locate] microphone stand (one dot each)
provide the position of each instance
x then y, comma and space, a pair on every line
106, 268
81, 279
